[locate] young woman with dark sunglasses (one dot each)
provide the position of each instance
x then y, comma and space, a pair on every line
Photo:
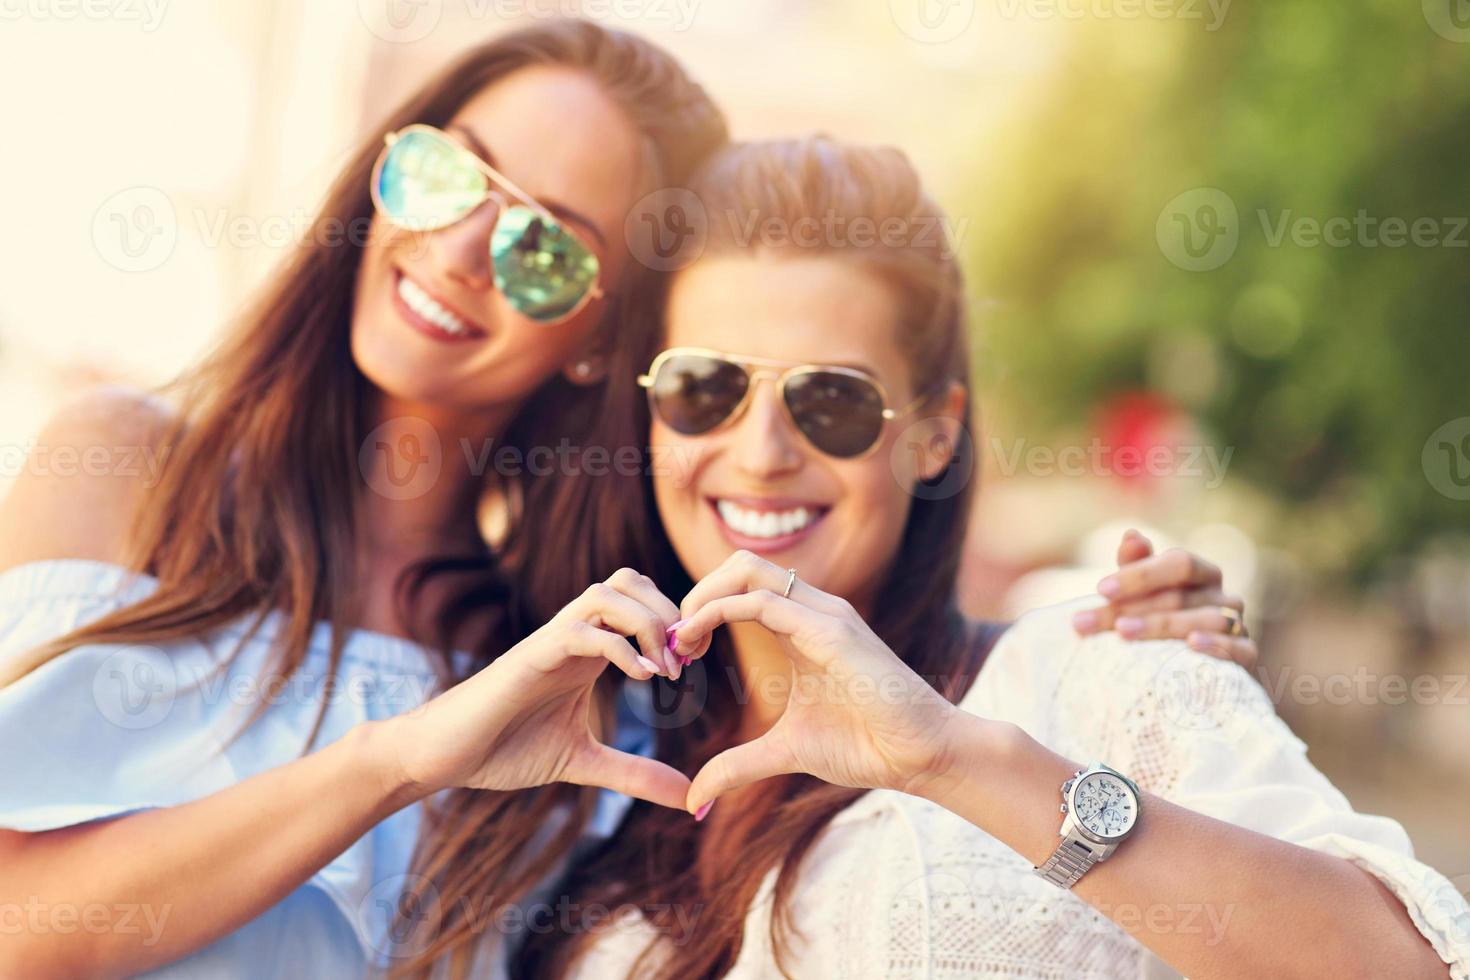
882, 788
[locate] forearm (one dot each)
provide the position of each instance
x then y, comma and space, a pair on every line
1210, 898
188, 874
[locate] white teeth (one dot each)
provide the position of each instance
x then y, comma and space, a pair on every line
763, 524
424, 305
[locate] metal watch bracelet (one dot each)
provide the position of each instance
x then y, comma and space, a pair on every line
1069, 862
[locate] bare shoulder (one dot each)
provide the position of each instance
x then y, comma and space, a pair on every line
84, 478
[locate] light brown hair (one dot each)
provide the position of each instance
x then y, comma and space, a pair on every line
662, 862
255, 511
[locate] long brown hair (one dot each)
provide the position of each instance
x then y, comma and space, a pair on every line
255, 510
662, 863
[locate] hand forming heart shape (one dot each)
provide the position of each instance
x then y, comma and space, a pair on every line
856, 716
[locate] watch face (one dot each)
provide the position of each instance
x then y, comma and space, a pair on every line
1104, 805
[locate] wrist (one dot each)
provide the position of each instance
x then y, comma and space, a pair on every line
975, 754
373, 755
1003, 781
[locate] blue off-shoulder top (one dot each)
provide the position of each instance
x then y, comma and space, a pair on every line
104, 730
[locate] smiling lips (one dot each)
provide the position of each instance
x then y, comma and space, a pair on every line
431, 316
766, 525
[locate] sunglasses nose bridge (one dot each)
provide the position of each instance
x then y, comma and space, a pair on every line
501, 199
778, 383
757, 375
754, 376
494, 205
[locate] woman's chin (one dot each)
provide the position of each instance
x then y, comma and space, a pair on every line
398, 371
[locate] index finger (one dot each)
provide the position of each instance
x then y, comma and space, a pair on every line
1175, 568
745, 571
642, 588
1133, 547
777, 614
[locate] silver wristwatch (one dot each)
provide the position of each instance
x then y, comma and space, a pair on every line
1101, 807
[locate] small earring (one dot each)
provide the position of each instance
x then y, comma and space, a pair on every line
583, 369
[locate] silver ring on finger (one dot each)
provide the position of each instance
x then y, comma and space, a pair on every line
790, 581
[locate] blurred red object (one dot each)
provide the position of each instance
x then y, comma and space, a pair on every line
1134, 427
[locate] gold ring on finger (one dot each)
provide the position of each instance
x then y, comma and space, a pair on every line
1235, 626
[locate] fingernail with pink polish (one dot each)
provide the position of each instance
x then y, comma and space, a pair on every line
671, 641
1085, 622
1130, 624
1110, 587
702, 811
649, 665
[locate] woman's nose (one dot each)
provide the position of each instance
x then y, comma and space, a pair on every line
461, 252
765, 444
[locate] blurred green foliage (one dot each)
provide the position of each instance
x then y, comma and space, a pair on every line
1326, 366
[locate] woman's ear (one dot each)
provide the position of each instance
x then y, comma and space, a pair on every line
941, 431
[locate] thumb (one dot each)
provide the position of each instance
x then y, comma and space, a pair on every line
631, 775
736, 767
1134, 547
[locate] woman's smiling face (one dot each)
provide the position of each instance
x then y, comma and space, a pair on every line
563, 141
838, 522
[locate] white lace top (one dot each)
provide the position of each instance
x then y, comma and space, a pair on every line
898, 887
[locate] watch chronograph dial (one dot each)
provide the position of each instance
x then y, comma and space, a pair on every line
1104, 805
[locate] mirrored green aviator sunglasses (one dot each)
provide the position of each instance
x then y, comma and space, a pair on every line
425, 180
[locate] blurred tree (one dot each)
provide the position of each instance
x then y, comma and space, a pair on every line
1326, 363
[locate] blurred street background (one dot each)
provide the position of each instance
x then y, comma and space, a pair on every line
1217, 254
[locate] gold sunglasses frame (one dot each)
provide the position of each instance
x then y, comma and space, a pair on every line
761, 368
495, 179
